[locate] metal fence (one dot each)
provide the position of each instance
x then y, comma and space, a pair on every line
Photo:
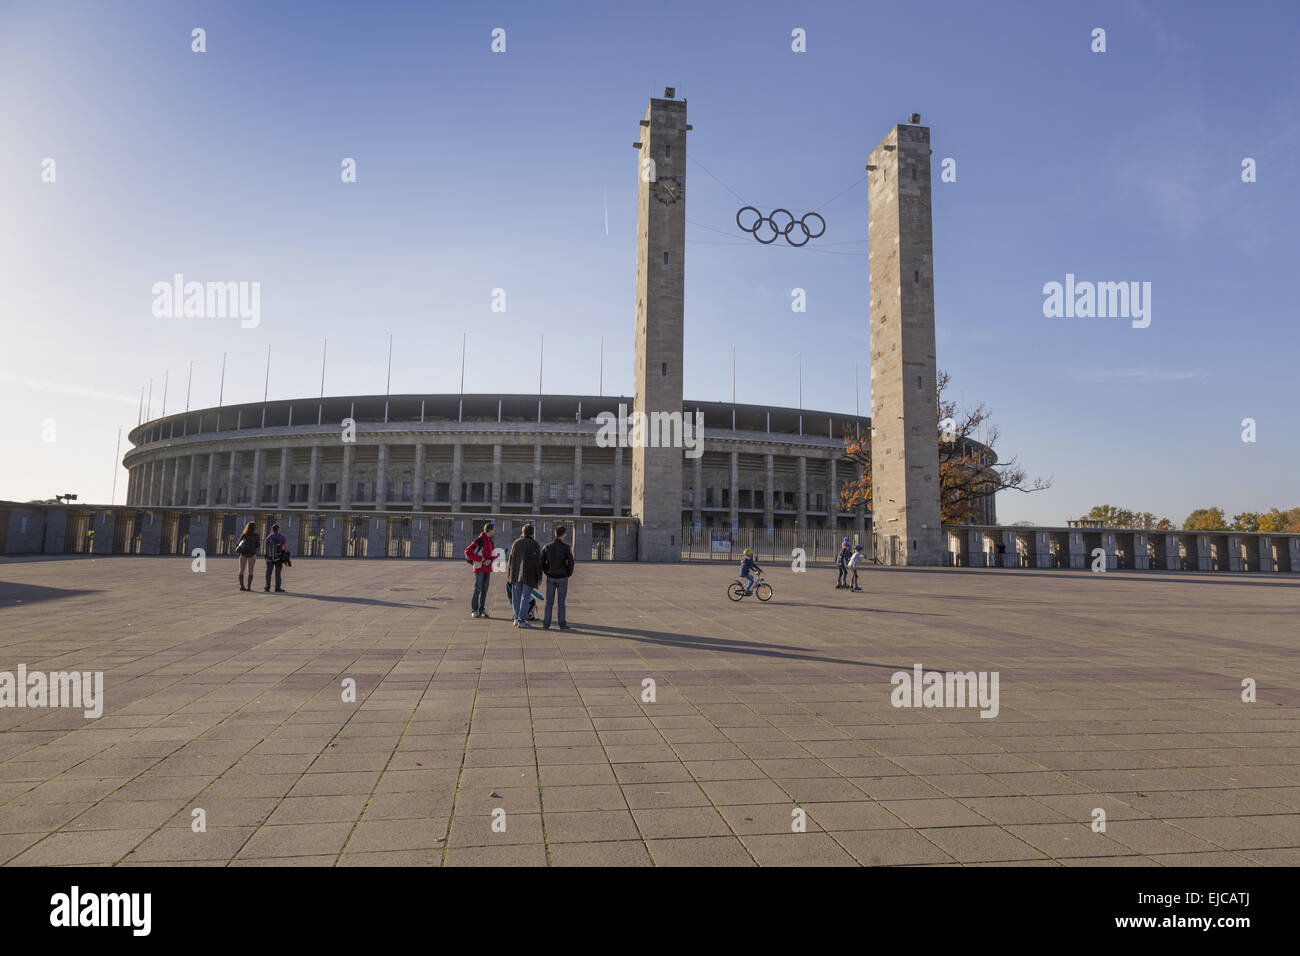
820, 546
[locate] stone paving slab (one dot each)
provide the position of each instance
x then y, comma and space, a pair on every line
1117, 691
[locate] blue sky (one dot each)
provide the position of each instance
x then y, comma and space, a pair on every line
479, 171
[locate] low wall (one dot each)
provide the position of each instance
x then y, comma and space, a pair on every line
1122, 549
91, 529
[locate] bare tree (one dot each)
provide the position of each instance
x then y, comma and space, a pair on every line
969, 468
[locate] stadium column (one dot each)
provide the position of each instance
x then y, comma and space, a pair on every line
176, 482
417, 493
286, 455
537, 478
313, 479
210, 498
192, 481
660, 283
733, 516
832, 495
154, 484
618, 481
231, 476
259, 468
577, 479
769, 493
381, 478
697, 491
457, 465
496, 479
345, 478
802, 504
904, 412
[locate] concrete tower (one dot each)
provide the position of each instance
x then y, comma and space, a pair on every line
904, 412
660, 278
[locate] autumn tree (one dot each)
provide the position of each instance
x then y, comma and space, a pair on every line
1280, 522
1113, 517
1246, 521
1206, 519
969, 468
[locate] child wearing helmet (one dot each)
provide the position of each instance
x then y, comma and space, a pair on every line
747, 568
842, 564
853, 565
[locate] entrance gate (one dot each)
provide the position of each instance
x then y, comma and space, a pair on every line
399, 537
358, 538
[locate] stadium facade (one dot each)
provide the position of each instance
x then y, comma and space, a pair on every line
759, 467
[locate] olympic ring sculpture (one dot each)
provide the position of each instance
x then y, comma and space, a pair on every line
780, 230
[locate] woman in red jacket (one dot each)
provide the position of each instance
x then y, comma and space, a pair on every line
479, 554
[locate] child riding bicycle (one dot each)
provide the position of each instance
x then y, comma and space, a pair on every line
748, 567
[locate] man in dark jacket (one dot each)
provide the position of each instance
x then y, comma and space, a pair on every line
525, 573
557, 564
277, 556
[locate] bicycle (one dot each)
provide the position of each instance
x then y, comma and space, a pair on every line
762, 590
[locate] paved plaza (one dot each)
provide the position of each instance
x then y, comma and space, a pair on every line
473, 743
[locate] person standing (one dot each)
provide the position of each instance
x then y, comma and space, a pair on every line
277, 555
479, 554
525, 568
557, 565
250, 542
853, 566
842, 564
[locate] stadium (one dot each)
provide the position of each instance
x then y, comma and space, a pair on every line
765, 472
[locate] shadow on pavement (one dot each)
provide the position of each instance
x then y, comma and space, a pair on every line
337, 599
695, 642
13, 595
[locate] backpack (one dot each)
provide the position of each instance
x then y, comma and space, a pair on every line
474, 551
274, 549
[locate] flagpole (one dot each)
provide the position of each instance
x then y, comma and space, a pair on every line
323, 349
189, 380
166, 376
221, 392
112, 499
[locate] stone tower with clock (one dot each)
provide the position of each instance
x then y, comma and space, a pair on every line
660, 281
905, 505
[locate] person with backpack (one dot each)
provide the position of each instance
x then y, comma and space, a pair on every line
525, 573
479, 554
277, 556
557, 565
842, 564
250, 542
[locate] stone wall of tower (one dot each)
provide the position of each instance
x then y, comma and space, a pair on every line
904, 413
660, 287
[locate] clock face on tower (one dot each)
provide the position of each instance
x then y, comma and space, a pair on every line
667, 189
